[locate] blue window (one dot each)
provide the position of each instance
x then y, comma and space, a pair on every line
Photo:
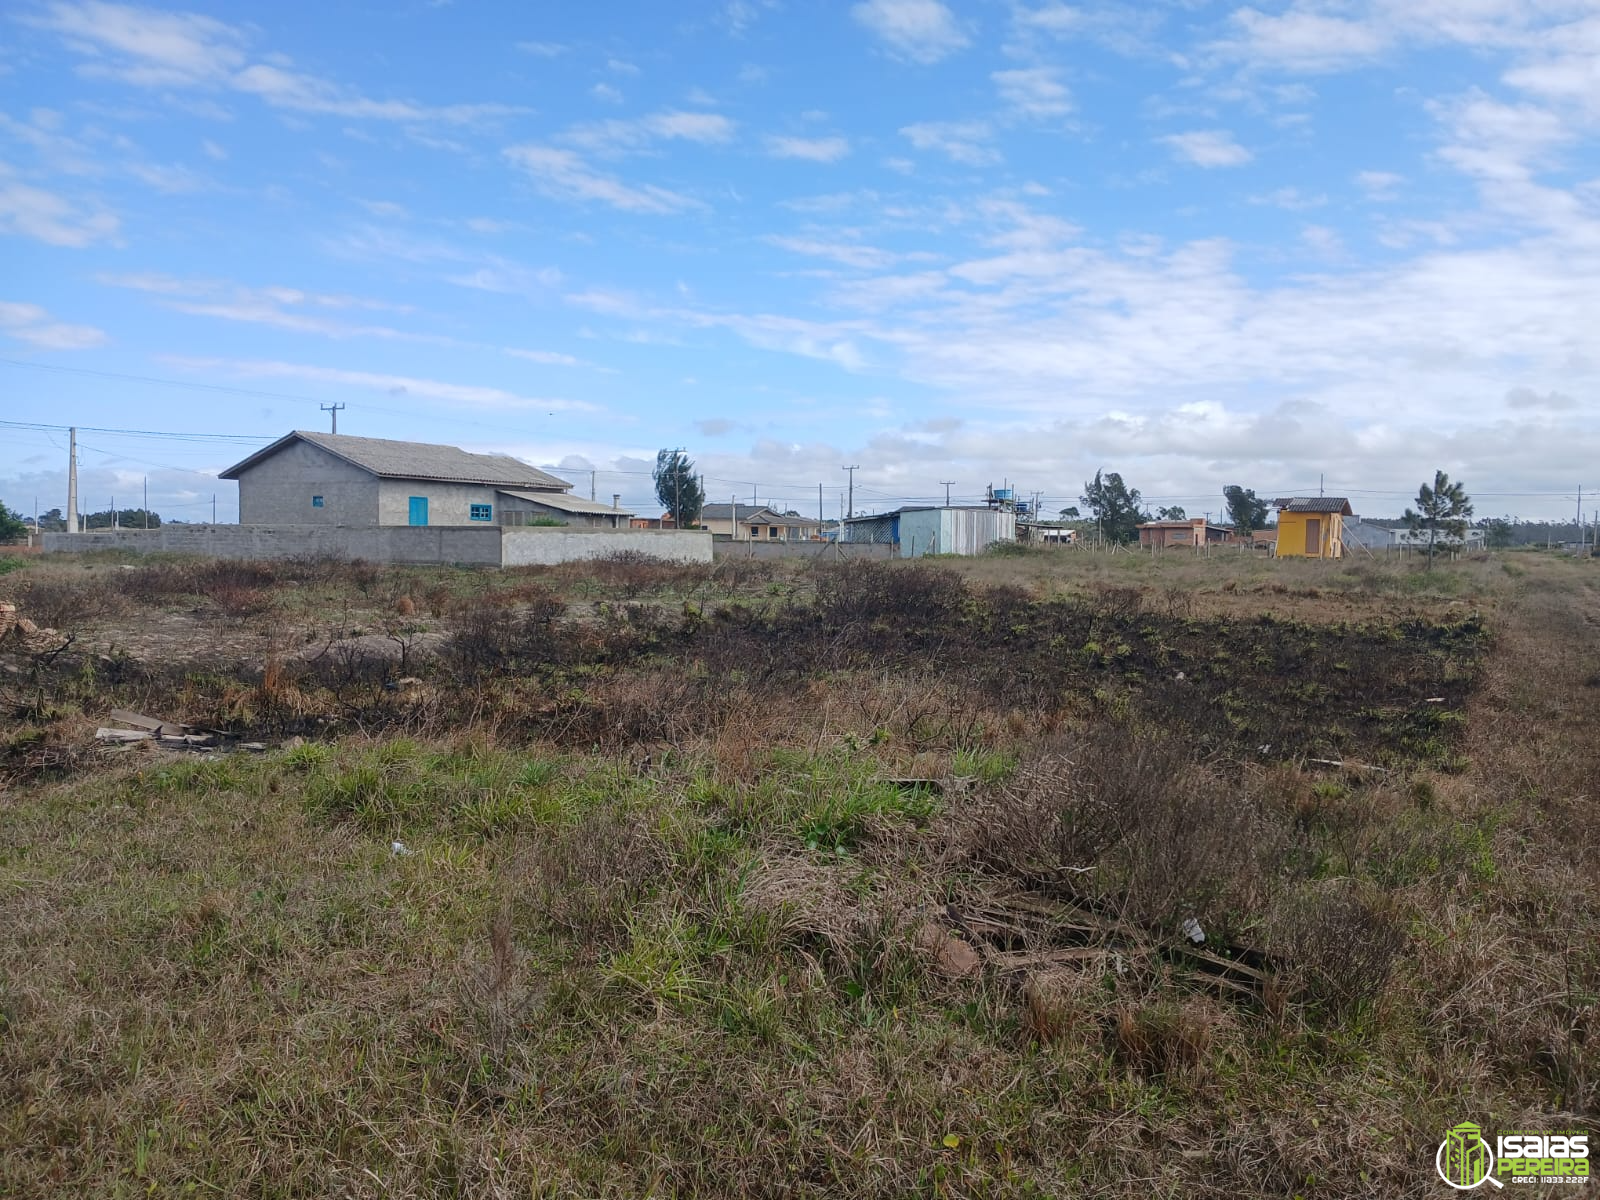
417, 510
483, 512
316, 502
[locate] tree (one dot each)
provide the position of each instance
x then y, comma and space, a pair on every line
1115, 506
51, 521
1173, 513
1070, 513
678, 488
1246, 511
1441, 509
11, 527
123, 518
1497, 533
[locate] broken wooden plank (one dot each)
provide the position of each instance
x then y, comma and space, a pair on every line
123, 735
140, 721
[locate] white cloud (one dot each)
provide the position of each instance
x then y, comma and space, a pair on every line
621, 66
289, 308
1208, 148
547, 357
960, 141
566, 176
31, 324
604, 91
923, 31
851, 254
305, 93
156, 49
543, 49
1291, 199
1299, 40
213, 151
1034, 91
1379, 185
820, 149
143, 46
469, 395
618, 136
32, 212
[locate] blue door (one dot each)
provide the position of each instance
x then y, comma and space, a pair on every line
419, 510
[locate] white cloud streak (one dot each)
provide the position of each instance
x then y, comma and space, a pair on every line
919, 31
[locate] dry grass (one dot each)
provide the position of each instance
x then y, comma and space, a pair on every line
671, 843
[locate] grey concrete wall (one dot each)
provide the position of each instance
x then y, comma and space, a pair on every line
448, 503
433, 544
822, 551
278, 490
543, 547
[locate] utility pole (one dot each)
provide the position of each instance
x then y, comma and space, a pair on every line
948, 484
72, 480
1319, 483
334, 409
591, 483
147, 503
820, 517
850, 505
213, 508
733, 516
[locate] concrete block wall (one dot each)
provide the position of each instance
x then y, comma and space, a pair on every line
383, 544
546, 547
455, 544
821, 551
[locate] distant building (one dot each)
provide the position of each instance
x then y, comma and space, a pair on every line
932, 530
1186, 534
1311, 526
1382, 533
757, 523
335, 479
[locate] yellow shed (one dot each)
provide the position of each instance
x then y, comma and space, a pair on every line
1311, 526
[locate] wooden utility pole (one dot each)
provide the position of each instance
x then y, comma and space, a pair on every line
948, 484
850, 505
334, 409
72, 480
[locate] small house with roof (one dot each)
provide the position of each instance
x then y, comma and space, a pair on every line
757, 523
1311, 526
1189, 534
335, 479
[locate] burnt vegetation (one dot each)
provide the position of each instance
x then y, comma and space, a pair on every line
620, 878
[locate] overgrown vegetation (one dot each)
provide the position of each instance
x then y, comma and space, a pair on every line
1042, 876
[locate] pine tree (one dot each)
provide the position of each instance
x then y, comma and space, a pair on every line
1441, 509
678, 488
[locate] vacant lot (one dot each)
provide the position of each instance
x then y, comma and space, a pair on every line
1020, 876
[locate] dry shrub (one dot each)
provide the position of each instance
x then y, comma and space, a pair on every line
70, 605
867, 593
586, 882
494, 992
1126, 819
1166, 1040
239, 601
1340, 944
405, 606
1116, 602
489, 633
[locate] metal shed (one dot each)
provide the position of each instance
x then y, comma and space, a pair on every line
933, 530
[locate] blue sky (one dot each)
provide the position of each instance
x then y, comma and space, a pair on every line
983, 241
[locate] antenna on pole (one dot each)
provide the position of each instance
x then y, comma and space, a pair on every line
948, 484
334, 409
